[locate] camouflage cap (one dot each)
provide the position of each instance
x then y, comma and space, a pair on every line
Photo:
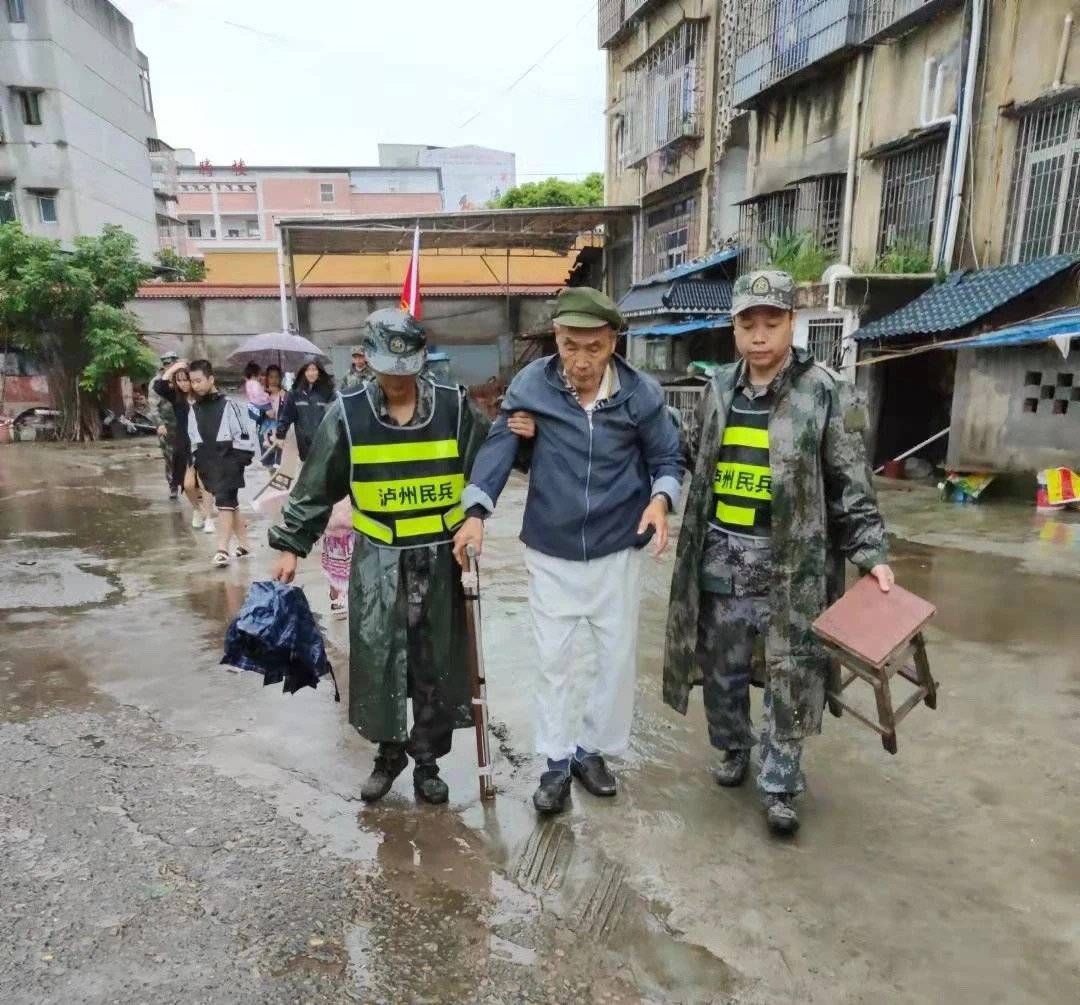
764, 288
394, 343
584, 307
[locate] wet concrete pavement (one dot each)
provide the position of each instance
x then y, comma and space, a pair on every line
174, 830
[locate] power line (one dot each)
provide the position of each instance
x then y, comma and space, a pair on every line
591, 8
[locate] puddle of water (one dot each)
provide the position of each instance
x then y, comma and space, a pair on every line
51, 580
34, 687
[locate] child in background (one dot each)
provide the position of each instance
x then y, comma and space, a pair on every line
337, 548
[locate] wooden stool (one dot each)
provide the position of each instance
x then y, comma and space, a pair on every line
878, 677
872, 636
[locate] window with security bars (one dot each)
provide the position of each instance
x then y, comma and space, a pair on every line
825, 341
665, 93
909, 191
819, 209
670, 236
809, 211
764, 221
1044, 201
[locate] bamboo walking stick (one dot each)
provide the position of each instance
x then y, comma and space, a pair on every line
470, 583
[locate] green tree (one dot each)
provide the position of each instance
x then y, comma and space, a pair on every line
554, 192
180, 269
66, 308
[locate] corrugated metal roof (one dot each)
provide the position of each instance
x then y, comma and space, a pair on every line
678, 328
639, 300
552, 228
691, 268
964, 298
1062, 324
214, 291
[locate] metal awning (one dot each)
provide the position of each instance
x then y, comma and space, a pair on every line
1061, 326
553, 229
677, 329
691, 268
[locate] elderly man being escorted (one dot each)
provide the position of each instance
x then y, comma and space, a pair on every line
606, 470
402, 447
780, 495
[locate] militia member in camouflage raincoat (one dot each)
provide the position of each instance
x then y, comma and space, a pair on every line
402, 447
781, 493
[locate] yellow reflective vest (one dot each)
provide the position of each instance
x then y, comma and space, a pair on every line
743, 485
406, 480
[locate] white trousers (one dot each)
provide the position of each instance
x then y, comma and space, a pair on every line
587, 702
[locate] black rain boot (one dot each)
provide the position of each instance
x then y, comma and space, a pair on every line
428, 785
390, 762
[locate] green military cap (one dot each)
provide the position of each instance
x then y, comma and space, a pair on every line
763, 288
584, 307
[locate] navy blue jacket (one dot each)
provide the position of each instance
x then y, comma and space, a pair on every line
591, 476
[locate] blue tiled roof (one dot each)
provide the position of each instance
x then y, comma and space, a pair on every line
964, 298
686, 296
702, 295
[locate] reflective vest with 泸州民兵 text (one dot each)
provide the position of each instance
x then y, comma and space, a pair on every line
406, 480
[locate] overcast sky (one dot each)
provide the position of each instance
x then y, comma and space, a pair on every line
324, 81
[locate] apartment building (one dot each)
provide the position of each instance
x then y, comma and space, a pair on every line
76, 114
676, 150
233, 207
472, 176
893, 142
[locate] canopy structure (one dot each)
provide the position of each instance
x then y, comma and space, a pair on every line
554, 230
551, 231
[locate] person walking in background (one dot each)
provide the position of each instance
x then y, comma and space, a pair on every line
305, 405
159, 412
606, 470
257, 398
173, 388
275, 393
359, 372
336, 561
223, 445
781, 493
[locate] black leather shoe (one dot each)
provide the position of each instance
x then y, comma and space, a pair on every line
553, 792
732, 773
593, 773
428, 785
388, 765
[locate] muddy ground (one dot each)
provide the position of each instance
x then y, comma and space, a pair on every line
173, 832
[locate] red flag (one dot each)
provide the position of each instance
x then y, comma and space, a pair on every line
410, 292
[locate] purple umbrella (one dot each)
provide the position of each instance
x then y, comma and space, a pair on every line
284, 349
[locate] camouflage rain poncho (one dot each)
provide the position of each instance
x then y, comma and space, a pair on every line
823, 510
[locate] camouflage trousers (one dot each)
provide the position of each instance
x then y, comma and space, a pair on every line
732, 622
431, 734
